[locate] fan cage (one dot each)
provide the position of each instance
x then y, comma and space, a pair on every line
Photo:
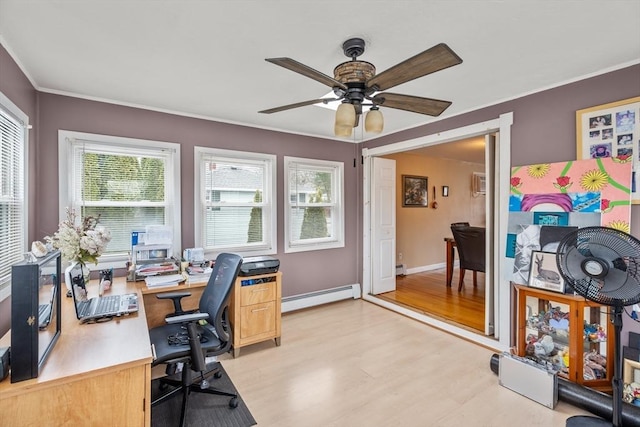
617, 249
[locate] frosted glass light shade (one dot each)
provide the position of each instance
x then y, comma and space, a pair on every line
346, 115
373, 121
344, 131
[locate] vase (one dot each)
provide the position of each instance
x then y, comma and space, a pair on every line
74, 269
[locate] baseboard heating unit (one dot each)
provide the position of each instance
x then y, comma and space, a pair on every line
311, 299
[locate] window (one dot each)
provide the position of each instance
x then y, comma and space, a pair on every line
235, 207
13, 198
314, 217
130, 183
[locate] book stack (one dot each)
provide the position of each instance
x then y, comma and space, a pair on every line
197, 273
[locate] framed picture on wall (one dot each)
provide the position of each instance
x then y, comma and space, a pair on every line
612, 130
544, 272
415, 191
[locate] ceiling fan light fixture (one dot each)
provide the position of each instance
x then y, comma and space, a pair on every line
355, 81
346, 115
342, 131
373, 121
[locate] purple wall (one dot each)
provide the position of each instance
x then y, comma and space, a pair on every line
544, 129
15, 86
302, 272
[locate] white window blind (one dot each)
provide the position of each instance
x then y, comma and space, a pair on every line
235, 209
129, 184
314, 217
13, 212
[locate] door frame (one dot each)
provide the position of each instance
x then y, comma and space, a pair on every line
501, 341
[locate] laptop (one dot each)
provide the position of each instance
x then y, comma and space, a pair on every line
45, 311
91, 310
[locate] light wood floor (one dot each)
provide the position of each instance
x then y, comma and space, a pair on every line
427, 293
353, 363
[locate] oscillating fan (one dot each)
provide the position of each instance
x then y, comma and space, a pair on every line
602, 265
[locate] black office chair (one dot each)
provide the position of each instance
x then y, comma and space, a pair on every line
470, 242
185, 340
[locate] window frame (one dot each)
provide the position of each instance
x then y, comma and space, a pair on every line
269, 200
22, 119
338, 211
67, 142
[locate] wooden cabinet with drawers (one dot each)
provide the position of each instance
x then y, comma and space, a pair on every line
255, 310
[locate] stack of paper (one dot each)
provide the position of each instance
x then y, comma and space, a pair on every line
166, 280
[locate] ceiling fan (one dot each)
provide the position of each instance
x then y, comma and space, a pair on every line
356, 84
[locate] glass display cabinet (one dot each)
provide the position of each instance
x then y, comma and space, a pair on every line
572, 335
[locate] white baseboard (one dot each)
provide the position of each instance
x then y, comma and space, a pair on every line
312, 299
422, 268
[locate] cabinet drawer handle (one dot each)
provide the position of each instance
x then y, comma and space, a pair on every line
260, 290
255, 310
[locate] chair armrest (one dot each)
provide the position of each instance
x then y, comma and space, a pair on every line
193, 317
171, 295
176, 297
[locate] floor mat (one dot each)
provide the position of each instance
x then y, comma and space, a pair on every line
203, 409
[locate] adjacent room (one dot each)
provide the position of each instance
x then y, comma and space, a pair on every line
337, 213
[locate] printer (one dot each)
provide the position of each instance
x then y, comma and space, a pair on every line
253, 266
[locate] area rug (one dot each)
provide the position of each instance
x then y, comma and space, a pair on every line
203, 410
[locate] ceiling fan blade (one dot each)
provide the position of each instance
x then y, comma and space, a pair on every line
428, 106
307, 71
299, 104
431, 60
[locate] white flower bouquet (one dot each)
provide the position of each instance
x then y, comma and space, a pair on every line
83, 243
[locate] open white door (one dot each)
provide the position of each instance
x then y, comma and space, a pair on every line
490, 206
383, 226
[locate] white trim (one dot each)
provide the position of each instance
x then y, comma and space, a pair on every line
502, 286
325, 296
462, 333
271, 184
337, 174
22, 117
65, 163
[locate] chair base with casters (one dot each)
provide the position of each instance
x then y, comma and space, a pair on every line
195, 375
187, 381
188, 338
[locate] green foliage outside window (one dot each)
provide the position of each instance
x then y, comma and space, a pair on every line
255, 221
122, 178
314, 223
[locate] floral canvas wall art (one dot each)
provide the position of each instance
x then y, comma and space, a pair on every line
563, 196
611, 177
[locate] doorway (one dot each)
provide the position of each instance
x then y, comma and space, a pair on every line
422, 281
498, 303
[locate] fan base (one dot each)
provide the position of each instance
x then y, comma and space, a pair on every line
585, 421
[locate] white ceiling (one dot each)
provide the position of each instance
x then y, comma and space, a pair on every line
206, 58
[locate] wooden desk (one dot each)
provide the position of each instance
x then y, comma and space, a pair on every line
451, 244
97, 374
158, 309
254, 311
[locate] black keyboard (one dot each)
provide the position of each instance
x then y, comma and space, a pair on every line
108, 304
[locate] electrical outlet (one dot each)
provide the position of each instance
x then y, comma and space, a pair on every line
400, 256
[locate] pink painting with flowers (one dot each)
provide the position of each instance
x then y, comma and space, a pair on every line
610, 177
